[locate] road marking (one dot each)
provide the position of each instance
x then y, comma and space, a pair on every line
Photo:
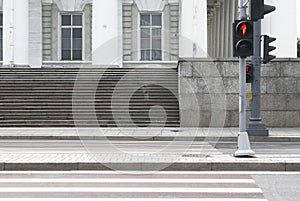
124, 180
112, 186
131, 190
126, 199
148, 172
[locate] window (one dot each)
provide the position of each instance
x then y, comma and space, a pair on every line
1, 37
151, 26
71, 37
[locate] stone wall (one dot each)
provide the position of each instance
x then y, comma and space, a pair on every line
174, 32
47, 30
209, 88
127, 31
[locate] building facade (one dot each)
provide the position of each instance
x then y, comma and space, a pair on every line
39, 33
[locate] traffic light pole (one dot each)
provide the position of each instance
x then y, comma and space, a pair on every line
243, 148
242, 110
256, 126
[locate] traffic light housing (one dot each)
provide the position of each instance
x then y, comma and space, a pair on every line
242, 38
267, 49
249, 73
259, 9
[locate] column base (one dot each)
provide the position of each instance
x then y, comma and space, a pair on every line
257, 128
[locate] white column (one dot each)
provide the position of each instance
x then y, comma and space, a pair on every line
214, 54
35, 33
193, 29
211, 39
20, 29
232, 14
228, 29
210, 33
107, 32
282, 24
218, 30
222, 33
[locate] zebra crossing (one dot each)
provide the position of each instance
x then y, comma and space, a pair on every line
114, 186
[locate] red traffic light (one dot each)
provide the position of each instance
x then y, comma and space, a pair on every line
244, 29
249, 73
242, 38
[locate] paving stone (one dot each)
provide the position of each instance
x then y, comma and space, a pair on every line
92, 166
293, 166
196, 166
248, 166
40, 166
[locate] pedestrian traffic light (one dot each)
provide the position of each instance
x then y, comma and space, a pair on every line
242, 38
267, 49
259, 9
249, 73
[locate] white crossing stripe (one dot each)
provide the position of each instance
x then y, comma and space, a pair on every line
133, 190
123, 180
154, 173
113, 186
126, 199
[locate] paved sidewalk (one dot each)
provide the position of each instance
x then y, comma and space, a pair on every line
155, 134
145, 149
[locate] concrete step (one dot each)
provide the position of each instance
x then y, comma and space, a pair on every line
98, 96
85, 70
104, 118
44, 97
91, 74
101, 102
120, 88
117, 113
86, 83
56, 116
81, 111
98, 107
87, 101
96, 68
70, 123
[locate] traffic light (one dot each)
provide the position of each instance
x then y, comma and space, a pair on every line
267, 49
242, 38
259, 9
249, 73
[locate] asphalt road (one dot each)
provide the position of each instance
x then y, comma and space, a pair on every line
279, 187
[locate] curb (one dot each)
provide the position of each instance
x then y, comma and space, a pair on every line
156, 138
180, 166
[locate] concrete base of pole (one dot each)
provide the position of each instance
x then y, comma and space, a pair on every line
243, 148
257, 128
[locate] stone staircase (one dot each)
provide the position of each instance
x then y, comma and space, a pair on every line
89, 97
